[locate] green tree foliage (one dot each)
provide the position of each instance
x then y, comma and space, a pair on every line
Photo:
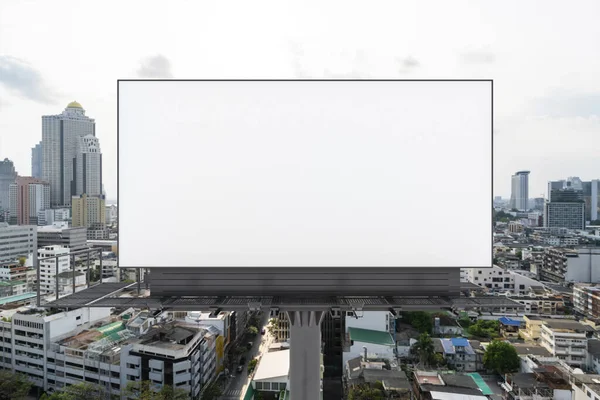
420, 320
144, 391
501, 357
501, 216
365, 392
82, 390
252, 365
213, 392
252, 330
485, 329
424, 349
13, 386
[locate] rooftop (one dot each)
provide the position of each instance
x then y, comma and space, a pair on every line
16, 298
557, 324
371, 336
509, 322
524, 349
450, 345
273, 365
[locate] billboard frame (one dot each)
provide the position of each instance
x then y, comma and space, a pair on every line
307, 281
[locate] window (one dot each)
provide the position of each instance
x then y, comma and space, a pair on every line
589, 394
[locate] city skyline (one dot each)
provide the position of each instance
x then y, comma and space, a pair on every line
546, 114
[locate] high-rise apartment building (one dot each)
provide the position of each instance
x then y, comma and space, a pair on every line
60, 141
591, 198
36, 161
565, 207
8, 175
519, 197
17, 241
28, 196
88, 167
90, 212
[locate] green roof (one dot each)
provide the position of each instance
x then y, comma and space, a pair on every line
19, 297
485, 389
111, 328
12, 283
370, 336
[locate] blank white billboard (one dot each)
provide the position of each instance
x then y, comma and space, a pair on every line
305, 173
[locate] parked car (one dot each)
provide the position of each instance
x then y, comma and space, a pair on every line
240, 368
250, 344
262, 331
242, 360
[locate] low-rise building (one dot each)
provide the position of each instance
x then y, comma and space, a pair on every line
376, 344
586, 299
571, 265
544, 384
566, 340
272, 372
459, 354
509, 328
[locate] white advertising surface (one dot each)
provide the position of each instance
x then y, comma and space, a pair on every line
305, 174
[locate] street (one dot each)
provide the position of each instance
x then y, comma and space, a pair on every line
236, 387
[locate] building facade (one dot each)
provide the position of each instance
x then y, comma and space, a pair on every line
60, 138
28, 197
571, 265
17, 241
59, 233
88, 167
8, 175
519, 197
50, 266
36, 161
90, 212
566, 340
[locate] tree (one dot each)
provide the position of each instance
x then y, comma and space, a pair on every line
424, 349
501, 357
13, 386
144, 390
365, 392
22, 261
420, 320
252, 365
252, 330
485, 329
82, 390
212, 392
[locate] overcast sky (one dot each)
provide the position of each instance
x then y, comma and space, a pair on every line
544, 58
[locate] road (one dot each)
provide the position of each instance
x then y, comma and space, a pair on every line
236, 387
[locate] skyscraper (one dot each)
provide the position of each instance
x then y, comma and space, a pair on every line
28, 196
88, 167
36, 161
519, 197
565, 207
8, 174
591, 197
60, 138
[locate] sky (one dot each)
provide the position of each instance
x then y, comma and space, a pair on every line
543, 57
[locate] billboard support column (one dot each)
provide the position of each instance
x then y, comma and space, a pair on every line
305, 354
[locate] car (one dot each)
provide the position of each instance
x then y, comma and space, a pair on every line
250, 344
242, 360
240, 368
262, 331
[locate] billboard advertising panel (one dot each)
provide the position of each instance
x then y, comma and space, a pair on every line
305, 174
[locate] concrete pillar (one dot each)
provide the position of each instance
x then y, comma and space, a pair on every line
305, 354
